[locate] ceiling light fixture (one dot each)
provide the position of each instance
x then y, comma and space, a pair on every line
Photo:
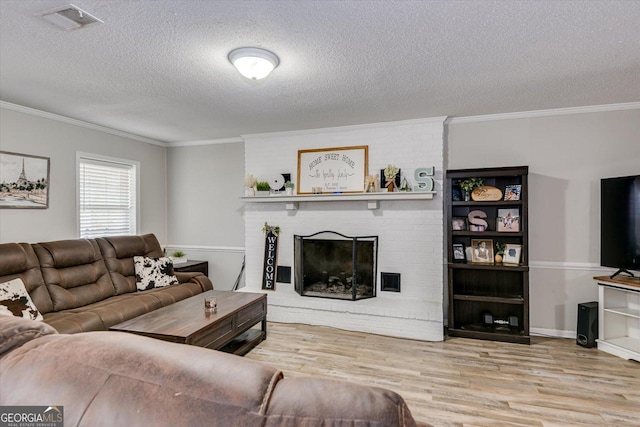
253, 63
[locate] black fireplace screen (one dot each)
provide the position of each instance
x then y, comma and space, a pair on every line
332, 265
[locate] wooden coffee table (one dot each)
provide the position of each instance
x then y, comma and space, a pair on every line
228, 329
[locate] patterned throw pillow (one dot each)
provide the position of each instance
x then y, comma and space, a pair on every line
153, 272
15, 301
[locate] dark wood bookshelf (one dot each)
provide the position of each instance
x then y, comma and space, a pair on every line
475, 289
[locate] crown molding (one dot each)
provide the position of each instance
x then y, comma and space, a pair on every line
545, 113
79, 123
205, 142
430, 120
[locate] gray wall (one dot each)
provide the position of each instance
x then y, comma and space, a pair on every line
30, 134
567, 156
199, 209
205, 212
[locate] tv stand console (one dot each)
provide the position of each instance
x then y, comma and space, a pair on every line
619, 316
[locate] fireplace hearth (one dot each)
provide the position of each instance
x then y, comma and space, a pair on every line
331, 265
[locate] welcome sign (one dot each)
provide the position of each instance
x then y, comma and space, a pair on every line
270, 259
333, 170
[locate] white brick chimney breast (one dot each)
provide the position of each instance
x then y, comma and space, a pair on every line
410, 232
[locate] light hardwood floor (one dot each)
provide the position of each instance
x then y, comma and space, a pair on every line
464, 382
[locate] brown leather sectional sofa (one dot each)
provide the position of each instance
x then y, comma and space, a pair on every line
107, 379
103, 378
84, 285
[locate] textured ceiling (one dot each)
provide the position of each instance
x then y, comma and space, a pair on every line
159, 68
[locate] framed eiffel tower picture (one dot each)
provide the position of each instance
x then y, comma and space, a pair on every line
24, 181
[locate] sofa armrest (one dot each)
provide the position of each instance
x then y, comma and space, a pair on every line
322, 402
195, 277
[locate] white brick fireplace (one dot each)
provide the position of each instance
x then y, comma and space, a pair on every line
410, 232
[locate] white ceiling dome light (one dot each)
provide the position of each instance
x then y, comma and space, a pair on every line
253, 63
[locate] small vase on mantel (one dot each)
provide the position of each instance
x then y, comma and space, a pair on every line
498, 259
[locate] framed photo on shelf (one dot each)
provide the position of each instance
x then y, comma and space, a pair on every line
508, 220
458, 223
456, 194
458, 252
482, 251
512, 192
512, 254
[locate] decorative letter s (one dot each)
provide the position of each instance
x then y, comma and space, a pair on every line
423, 177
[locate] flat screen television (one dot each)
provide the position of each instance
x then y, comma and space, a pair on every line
620, 223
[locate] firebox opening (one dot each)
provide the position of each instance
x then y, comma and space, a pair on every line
331, 265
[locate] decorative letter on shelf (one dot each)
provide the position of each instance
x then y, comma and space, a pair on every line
476, 221
423, 177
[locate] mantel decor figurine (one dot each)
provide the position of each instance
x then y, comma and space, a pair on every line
263, 188
288, 188
371, 184
391, 177
250, 185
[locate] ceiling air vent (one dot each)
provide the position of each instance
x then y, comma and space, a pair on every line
69, 17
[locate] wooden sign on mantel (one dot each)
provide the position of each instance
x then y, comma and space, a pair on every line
332, 170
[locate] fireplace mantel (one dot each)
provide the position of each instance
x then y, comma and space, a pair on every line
372, 199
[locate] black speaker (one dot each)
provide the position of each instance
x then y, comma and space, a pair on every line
587, 324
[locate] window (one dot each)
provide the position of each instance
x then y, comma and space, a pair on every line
107, 196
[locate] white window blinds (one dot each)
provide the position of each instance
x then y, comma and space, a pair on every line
106, 197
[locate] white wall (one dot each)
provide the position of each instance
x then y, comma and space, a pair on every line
567, 155
205, 212
30, 134
410, 232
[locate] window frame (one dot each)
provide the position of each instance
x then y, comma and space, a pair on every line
80, 157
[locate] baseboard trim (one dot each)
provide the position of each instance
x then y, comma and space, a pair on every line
552, 333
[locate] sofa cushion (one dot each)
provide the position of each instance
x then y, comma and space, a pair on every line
70, 253
14, 260
153, 272
15, 301
74, 272
68, 322
15, 331
120, 308
18, 260
130, 246
172, 294
118, 253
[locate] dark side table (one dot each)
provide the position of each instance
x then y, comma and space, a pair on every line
193, 266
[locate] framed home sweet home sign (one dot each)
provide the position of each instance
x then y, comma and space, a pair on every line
332, 170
